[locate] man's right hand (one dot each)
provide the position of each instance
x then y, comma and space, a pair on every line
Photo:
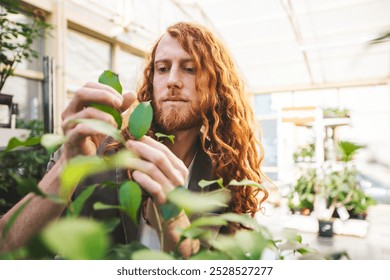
83, 140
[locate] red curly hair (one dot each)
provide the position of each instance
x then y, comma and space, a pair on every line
228, 135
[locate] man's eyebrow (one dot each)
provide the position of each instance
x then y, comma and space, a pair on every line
184, 60
161, 61
187, 60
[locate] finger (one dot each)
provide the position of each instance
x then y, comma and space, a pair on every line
80, 132
152, 187
87, 95
159, 159
103, 87
151, 170
176, 162
128, 99
87, 113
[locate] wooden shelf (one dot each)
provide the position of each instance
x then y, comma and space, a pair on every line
327, 122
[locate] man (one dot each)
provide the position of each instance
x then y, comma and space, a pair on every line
198, 97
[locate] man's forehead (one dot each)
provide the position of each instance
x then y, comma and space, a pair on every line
170, 47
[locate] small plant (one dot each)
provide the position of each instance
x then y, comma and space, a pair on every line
336, 113
341, 188
359, 204
348, 149
30, 162
16, 38
305, 154
302, 195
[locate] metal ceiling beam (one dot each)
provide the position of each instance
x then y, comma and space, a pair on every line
197, 6
297, 32
313, 11
179, 5
349, 84
372, 29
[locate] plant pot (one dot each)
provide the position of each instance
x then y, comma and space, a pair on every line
360, 216
325, 228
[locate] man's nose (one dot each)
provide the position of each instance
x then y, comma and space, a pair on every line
174, 79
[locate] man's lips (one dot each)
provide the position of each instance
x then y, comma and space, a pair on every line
174, 100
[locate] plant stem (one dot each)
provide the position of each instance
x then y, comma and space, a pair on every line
160, 229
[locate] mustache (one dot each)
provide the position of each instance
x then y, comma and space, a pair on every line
174, 95
174, 99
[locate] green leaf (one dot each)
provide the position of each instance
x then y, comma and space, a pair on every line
77, 169
81, 167
254, 244
243, 219
76, 206
30, 185
246, 182
169, 210
235, 248
125, 251
111, 224
162, 135
130, 195
102, 127
109, 110
193, 202
102, 206
306, 250
291, 245
15, 142
141, 120
209, 255
348, 149
27, 185
227, 244
195, 233
205, 183
77, 239
218, 220
52, 141
151, 255
111, 79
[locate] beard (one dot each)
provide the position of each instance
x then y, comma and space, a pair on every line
170, 118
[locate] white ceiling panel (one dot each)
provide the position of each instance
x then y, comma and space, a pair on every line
303, 42
276, 43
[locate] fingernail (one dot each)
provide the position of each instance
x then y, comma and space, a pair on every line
118, 101
129, 143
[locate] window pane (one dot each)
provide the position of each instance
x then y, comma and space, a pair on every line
28, 94
263, 104
270, 141
86, 59
130, 68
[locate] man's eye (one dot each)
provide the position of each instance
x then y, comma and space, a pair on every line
190, 69
162, 69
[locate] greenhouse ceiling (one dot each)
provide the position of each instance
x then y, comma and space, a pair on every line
279, 45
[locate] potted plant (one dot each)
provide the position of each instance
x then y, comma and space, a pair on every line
339, 192
358, 205
17, 40
304, 154
301, 196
